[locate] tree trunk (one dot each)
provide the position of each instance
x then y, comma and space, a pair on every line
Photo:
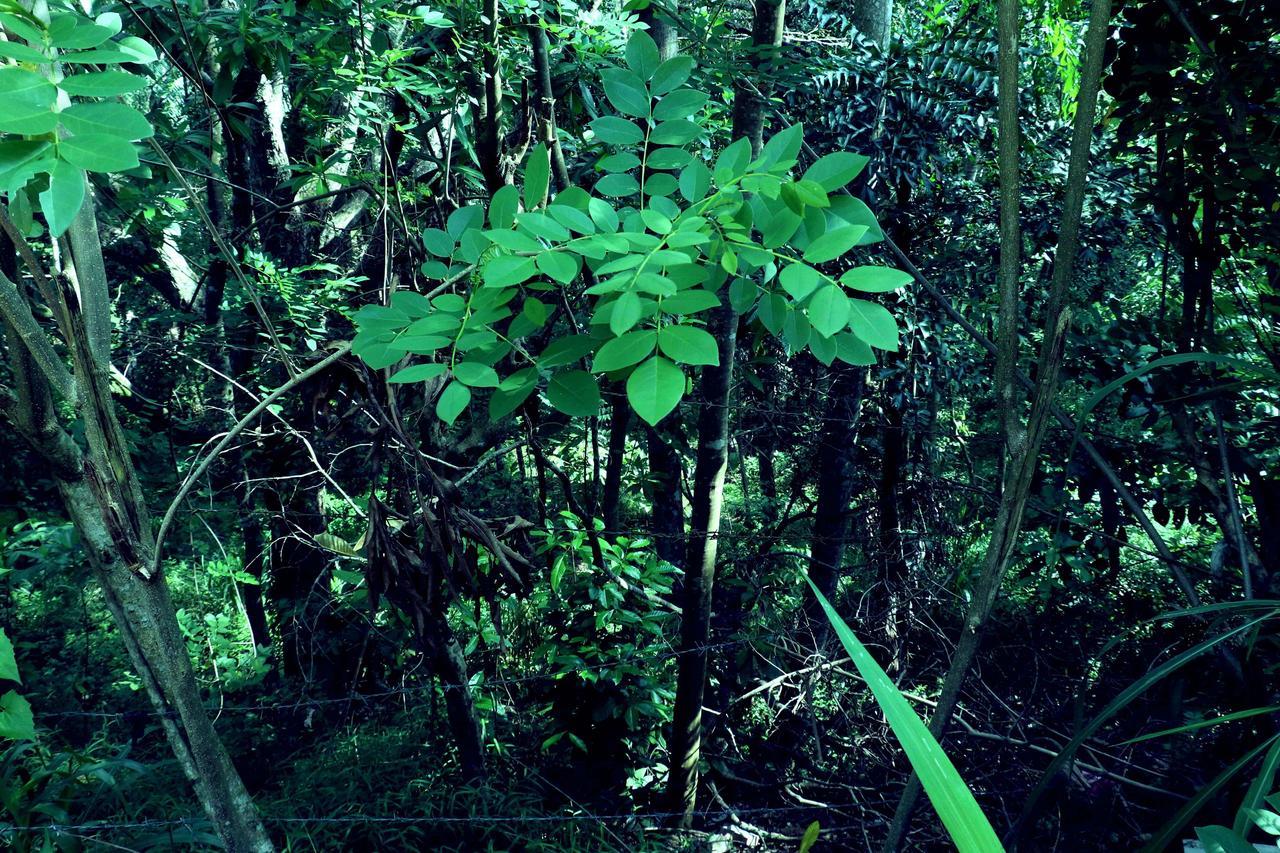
619, 420
665, 500
709, 471
874, 19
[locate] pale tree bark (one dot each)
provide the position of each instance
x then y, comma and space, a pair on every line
709, 472
1022, 453
103, 498
660, 19
874, 19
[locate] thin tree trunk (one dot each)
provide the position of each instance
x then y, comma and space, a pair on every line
450, 666
619, 421
874, 19
1023, 461
709, 472
545, 104
662, 28
667, 507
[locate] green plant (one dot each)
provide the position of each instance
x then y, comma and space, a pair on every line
664, 230
951, 797
16, 721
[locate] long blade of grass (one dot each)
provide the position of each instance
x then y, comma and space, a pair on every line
1130, 693
1170, 830
951, 797
1191, 727
1262, 785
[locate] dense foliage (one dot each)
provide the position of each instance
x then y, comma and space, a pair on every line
519, 426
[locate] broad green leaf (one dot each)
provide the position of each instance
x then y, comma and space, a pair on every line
108, 118
671, 74
875, 279
465, 219
655, 221
16, 721
834, 171
618, 185
799, 280
26, 102
828, 310
834, 243
688, 345
418, 373
626, 92
506, 270
22, 53
823, 349
796, 330
102, 84
1263, 783
655, 388
62, 200
732, 162
624, 351
626, 313
571, 217
503, 207
85, 35
537, 175
675, 132
539, 224
1219, 839
8, 662
560, 266
874, 324
565, 350
575, 393
695, 180
622, 161
22, 27
136, 49
669, 158
690, 302
512, 392
16, 154
642, 55
452, 401
681, 104
1267, 821
852, 350
782, 149
98, 152
475, 375
603, 215
963, 818
616, 131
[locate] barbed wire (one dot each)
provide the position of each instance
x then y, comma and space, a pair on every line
320, 820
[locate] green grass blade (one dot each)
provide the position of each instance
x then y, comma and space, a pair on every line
1170, 830
951, 797
1191, 727
1262, 785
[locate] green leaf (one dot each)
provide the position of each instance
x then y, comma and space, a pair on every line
875, 279
963, 818
136, 49
8, 662
565, 350
16, 721
852, 350
465, 219
655, 221
616, 131
1262, 783
695, 180
622, 161
799, 280
626, 92
690, 302
84, 35
98, 152
18, 154
828, 311
572, 217
655, 388
537, 175
626, 313
642, 55
809, 838
676, 132
681, 104
874, 324
452, 401
834, 243
22, 53
560, 266
624, 351
575, 393
102, 84
603, 215
26, 102
834, 171
503, 207
107, 118
62, 200
732, 162
688, 345
669, 158
671, 74
512, 392
618, 186
506, 270
418, 373
1219, 839
475, 374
